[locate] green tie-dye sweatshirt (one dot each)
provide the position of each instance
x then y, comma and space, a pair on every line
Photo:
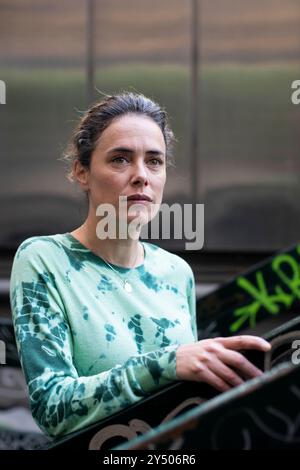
87, 347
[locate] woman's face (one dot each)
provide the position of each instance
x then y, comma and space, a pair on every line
130, 158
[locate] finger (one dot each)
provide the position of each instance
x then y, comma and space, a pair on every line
225, 373
212, 379
245, 342
240, 363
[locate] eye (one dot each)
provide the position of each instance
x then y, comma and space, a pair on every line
156, 161
117, 159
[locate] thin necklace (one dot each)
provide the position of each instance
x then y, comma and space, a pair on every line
126, 284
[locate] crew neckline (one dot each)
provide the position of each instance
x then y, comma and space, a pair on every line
98, 257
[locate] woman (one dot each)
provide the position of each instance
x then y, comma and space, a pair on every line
102, 322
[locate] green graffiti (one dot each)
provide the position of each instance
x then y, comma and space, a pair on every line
292, 283
262, 299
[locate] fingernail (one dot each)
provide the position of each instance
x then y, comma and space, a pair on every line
267, 346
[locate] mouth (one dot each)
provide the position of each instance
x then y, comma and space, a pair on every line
140, 198
139, 201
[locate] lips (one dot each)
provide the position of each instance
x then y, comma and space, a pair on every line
139, 197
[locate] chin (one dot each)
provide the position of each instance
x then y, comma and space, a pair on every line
141, 219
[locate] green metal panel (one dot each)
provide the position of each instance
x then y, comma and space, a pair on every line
269, 289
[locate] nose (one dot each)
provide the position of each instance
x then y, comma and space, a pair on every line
139, 174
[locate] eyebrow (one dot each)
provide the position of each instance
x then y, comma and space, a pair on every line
128, 150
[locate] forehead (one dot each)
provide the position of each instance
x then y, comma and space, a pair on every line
132, 130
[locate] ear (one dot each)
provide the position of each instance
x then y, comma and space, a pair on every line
81, 174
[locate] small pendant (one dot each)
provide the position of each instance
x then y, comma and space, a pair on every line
127, 286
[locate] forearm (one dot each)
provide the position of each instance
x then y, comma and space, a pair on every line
61, 405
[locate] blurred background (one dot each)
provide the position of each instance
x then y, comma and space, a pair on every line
222, 68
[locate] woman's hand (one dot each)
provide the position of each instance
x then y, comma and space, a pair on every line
217, 362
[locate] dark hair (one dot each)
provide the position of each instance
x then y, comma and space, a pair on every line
99, 116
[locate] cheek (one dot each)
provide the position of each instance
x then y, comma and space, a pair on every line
161, 183
105, 181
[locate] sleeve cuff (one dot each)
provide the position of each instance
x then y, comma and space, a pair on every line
160, 368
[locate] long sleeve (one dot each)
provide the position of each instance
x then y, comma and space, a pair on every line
61, 400
191, 296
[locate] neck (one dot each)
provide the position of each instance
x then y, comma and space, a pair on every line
127, 253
